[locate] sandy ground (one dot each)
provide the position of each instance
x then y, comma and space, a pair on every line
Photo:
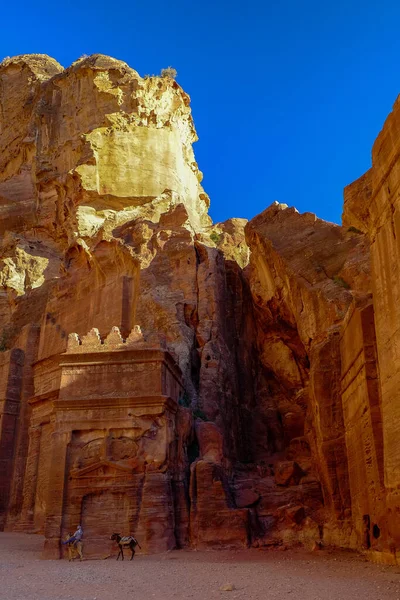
256, 575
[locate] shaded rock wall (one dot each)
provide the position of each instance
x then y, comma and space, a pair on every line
302, 272
363, 421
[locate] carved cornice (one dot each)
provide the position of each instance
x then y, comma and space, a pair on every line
161, 402
84, 471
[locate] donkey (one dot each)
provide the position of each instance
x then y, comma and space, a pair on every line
127, 541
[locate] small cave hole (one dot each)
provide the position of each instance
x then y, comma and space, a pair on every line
376, 532
193, 451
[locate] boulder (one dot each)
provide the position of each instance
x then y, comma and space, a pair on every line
288, 473
210, 441
246, 498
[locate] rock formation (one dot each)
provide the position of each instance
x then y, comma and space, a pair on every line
199, 384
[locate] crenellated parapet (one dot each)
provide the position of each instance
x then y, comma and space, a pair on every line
93, 342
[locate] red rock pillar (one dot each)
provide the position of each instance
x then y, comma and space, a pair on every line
11, 370
156, 526
55, 500
363, 422
31, 472
28, 341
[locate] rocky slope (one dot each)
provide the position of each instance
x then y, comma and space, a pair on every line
288, 426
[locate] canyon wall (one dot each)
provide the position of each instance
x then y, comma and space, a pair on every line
280, 333
371, 204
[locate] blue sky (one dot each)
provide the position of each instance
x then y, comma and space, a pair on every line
287, 96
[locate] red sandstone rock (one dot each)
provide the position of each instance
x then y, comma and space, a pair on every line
370, 342
214, 521
116, 246
280, 332
296, 514
288, 473
302, 274
245, 498
210, 441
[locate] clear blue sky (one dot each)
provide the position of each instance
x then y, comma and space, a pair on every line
287, 96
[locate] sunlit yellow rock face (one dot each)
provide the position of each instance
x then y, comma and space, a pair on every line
85, 151
92, 138
104, 225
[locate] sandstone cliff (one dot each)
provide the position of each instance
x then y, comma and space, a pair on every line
371, 204
274, 420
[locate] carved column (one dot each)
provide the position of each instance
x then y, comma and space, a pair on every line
11, 375
29, 340
55, 498
31, 473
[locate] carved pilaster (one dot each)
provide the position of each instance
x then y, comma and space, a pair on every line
55, 498
30, 481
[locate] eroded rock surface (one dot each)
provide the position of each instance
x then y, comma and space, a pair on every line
280, 427
372, 205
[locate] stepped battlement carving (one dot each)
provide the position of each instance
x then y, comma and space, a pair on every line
92, 341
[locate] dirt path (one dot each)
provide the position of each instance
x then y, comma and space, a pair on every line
256, 575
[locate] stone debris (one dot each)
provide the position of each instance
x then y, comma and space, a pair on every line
227, 587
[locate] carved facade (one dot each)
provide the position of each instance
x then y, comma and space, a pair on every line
285, 329
102, 444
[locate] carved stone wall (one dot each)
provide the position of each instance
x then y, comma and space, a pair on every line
11, 366
363, 424
102, 444
372, 205
287, 430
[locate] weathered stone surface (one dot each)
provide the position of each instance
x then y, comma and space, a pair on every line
245, 498
214, 520
302, 272
362, 418
288, 473
227, 587
210, 442
372, 204
105, 225
200, 384
296, 514
110, 479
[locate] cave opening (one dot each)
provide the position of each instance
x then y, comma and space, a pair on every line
376, 532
